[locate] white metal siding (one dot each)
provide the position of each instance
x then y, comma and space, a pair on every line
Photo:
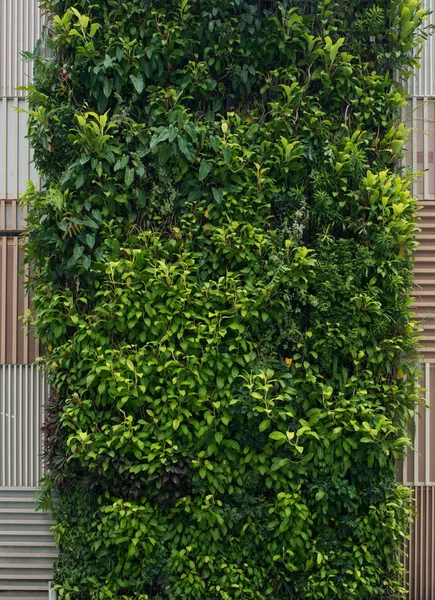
418, 473
419, 466
423, 83
16, 166
22, 397
20, 26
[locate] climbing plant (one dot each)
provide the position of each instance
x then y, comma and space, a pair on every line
223, 250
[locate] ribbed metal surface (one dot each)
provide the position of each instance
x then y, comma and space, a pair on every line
424, 281
420, 117
418, 469
27, 547
12, 216
423, 84
16, 167
420, 548
23, 392
21, 25
418, 473
17, 342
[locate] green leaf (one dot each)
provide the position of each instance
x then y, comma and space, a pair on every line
264, 425
138, 82
278, 435
218, 195
204, 169
107, 87
227, 154
185, 149
215, 141
90, 239
93, 29
129, 177
78, 251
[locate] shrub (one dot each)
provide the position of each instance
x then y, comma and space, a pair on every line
223, 252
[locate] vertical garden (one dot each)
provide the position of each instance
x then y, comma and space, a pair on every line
223, 252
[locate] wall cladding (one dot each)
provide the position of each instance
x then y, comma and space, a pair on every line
17, 343
420, 549
423, 83
16, 167
419, 116
12, 216
418, 468
22, 23
23, 394
418, 473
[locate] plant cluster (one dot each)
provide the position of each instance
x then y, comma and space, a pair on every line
223, 257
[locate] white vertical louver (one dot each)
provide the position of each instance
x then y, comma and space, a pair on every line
418, 473
423, 82
20, 25
16, 167
23, 394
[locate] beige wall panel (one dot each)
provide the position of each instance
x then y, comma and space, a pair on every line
16, 167
418, 468
21, 24
419, 116
418, 472
420, 549
12, 215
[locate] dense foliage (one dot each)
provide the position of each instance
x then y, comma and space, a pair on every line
223, 255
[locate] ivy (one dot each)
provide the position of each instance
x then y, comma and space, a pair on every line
223, 253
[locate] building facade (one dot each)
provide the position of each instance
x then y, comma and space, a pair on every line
26, 545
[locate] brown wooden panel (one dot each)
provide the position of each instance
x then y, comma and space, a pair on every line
17, 342
419, 556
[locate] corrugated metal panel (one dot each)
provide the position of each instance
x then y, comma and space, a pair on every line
418, 472
420, 549
17, 344
23, 393
423, 84
16, 167
12, 216
21, 26
418, 468
424, 280
25, 570
27, 548
420, 117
